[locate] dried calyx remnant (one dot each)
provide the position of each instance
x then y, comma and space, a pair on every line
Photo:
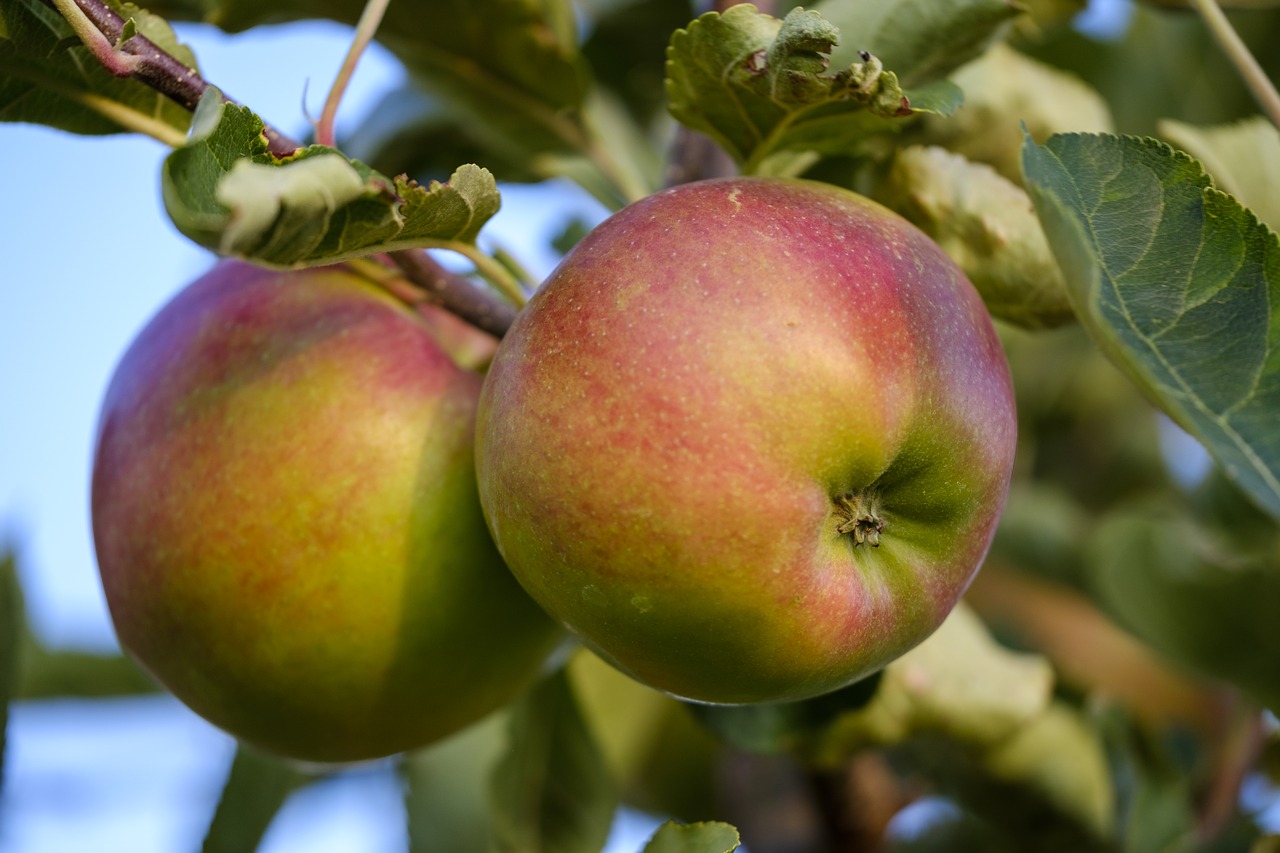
859, 516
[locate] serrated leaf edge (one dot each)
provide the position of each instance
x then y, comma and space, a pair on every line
867, 84
1205, 182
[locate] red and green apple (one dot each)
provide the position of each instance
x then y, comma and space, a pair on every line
286, 520
750, 441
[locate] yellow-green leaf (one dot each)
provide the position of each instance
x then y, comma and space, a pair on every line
988, 226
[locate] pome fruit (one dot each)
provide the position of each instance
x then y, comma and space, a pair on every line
750, 441
286, 520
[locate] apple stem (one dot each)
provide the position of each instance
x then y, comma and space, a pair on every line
860, 516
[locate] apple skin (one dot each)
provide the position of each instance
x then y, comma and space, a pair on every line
286, 521
715, 383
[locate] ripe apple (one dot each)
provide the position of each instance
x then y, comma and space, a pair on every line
286, 520
750, 441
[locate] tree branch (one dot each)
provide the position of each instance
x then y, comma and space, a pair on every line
149, 63
456, 293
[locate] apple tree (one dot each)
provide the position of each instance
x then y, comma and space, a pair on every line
905, 441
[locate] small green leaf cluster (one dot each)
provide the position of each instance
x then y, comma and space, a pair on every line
312, 207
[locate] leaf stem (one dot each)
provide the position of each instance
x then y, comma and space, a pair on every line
519, 270
1238, 52
493, 271
370, 18
133, 120
630, 186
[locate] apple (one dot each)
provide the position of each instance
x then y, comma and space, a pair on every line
286, 520
750, 441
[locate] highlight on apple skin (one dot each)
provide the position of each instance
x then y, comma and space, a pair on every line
750, 441
286, 520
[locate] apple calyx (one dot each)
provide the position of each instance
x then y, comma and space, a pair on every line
860, 516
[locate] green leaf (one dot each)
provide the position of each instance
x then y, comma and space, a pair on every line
10, 644
512, 50
1243, 159
1177, 283
1005, 90
625, 47
758, 86
409, 131
447, 789
1060, 755
30, 671
710, 837
988, 226
663, 760
1191, 596
959, 683
552, 791
1160, 816
48, 77
922, 40
509, 70
225, 191
50, 674
256, 787
1226, 4
1042, 531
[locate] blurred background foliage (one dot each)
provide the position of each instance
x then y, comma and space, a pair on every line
1106, 685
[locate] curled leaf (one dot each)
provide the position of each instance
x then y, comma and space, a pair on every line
1005, 89
759, 86
988, 226
227, 192
959, 683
